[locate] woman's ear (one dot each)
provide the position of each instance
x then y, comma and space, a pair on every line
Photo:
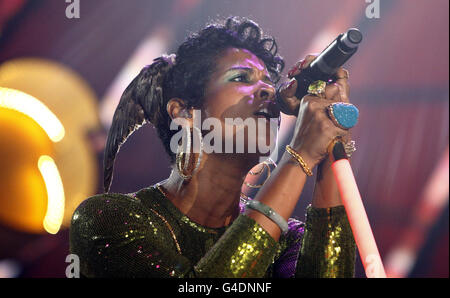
176, 108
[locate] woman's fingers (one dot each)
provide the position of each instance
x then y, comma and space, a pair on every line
343, 93
289, 88
332, 92
289, 101
314, 129
302, 64
342, 80
308, 60
339, 91
319, 106
335, 92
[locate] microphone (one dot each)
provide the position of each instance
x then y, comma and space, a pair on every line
324, 67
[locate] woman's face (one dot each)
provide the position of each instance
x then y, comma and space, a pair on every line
241, 90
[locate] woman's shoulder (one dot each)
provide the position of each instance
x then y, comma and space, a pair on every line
119, 199
110, 228
98, 203
114, 206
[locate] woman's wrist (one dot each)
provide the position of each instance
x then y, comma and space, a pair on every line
309, 161
320, 201
281, 192
326, 193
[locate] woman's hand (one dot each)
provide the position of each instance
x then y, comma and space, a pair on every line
314, 130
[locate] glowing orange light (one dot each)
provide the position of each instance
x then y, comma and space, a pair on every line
55, 192
33, 108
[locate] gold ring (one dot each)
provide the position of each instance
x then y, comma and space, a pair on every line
317, 88
349, 147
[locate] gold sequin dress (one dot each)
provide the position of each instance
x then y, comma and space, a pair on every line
144, 235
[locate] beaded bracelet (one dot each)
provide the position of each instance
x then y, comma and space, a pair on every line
270, 213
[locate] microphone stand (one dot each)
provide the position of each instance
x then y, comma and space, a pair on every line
356, 213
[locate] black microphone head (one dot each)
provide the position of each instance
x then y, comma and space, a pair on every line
354, 35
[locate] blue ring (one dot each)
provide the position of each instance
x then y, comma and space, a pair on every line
344, 115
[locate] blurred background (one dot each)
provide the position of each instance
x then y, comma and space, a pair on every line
63, 67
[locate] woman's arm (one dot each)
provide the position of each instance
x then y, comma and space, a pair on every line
328, 248
280, 192
313, 133
326, 193
115, 235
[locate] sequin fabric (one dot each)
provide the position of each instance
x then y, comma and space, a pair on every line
328, 247
144, 235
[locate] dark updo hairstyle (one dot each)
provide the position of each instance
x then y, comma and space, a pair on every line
184, 75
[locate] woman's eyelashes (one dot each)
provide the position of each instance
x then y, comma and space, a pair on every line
249, 78
242, 78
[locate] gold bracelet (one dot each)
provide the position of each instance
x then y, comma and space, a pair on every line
299, 159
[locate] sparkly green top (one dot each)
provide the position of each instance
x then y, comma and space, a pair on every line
144, 235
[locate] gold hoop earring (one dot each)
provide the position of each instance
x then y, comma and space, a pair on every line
183, 157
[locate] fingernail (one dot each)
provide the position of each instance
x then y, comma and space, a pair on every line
291, 72
291, 83
297, 68
303, 63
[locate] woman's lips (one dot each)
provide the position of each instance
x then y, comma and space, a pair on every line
265, 113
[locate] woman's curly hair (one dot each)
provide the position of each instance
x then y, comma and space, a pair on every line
184, 76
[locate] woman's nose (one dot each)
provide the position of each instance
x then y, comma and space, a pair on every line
265, 92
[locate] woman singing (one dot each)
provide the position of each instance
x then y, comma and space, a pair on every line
194, 224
